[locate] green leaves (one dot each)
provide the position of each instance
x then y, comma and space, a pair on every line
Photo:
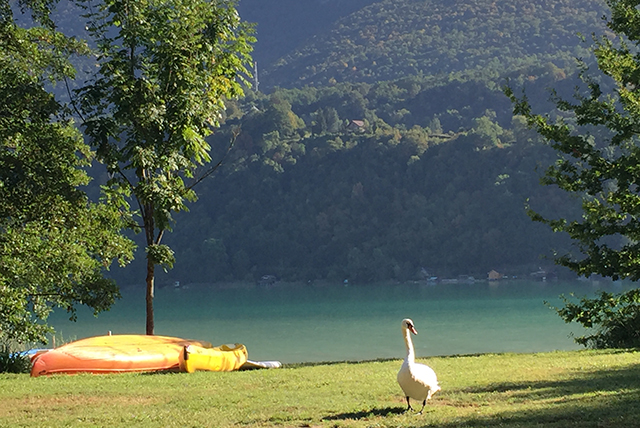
599, 153
165, 68
161, 255
54, 243
57, 261
613, 320
158, 93
598, 160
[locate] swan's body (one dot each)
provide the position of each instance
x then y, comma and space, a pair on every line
418, 381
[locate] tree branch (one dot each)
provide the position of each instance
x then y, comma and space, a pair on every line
213, 169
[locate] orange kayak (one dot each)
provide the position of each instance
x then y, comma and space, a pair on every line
136, 353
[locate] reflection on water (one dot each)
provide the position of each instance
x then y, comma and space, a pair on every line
334, 323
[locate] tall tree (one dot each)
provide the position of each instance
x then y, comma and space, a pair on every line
599, 160
165, 69
54, 242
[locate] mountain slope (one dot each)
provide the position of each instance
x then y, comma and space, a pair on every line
283, 25
397, 38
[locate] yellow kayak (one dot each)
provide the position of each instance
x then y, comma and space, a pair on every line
223, 358
137, 353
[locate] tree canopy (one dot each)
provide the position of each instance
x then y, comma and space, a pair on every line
54, 243
165, 69
597, 139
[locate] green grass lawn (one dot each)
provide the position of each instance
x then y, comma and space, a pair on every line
557, 389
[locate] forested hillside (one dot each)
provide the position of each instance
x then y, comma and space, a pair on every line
429, 181
371, 207
381, 146
391, 39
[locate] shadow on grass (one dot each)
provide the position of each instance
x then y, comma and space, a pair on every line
162, 372
580, 383
607, 398
366, 414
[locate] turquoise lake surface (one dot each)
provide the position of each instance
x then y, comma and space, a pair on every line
308, 323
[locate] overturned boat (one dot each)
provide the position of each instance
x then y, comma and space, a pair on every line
142, 353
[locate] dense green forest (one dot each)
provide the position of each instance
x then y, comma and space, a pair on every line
307, 194
391, 39
381, 146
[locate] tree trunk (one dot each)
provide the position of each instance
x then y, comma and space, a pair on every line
150, 283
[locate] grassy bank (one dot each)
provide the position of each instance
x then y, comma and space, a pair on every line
558, 389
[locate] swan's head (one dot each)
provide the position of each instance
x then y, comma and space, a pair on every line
407, 324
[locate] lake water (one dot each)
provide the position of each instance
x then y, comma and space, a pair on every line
335, 323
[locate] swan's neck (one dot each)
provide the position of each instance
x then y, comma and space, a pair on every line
411, 356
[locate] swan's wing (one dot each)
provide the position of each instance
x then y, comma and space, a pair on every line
426, 376
418, 381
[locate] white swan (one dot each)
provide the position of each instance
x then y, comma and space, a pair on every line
418, 381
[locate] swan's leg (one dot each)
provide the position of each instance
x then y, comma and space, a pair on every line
408, 405
423, 404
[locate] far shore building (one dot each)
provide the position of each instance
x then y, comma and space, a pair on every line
356, 126
494, 275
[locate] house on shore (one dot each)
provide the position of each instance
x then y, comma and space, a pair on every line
494, 275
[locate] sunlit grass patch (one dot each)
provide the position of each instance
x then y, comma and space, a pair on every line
557, 389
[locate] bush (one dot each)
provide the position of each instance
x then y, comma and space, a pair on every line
13, 362
612, 319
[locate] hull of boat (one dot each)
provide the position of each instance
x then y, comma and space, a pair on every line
134, 353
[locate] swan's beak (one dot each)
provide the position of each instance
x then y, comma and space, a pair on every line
413, 330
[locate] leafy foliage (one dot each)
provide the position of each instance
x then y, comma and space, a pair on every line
54, 243
165, 69
599, 152
596, 138
283, 24
613, 320
13, 362
436, 177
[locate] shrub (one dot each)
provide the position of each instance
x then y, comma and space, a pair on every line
613, 320
13, 362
